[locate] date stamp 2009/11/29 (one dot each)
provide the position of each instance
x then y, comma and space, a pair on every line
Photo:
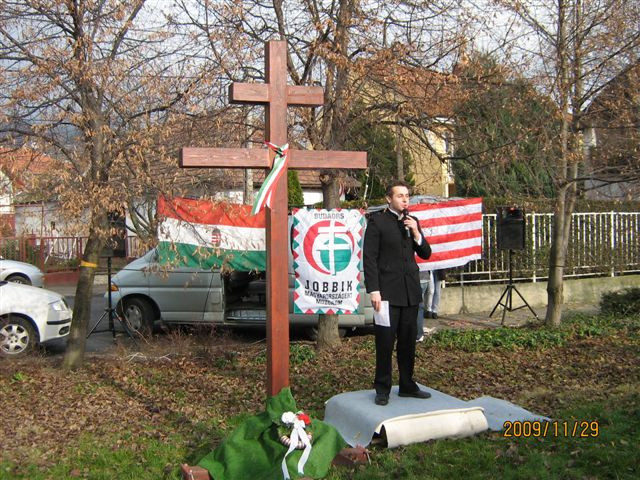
555, 428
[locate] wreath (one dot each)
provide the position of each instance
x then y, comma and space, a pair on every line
294, 422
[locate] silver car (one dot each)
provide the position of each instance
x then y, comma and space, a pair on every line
145, 292
21, 272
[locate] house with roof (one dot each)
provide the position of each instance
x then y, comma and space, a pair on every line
611, 138
26, 207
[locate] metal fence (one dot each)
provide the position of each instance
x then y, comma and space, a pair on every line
135, 247
48, 253
601, 244
52, 254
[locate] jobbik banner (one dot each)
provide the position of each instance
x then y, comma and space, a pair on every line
327, 256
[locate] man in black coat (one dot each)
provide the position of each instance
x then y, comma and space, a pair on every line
391, 274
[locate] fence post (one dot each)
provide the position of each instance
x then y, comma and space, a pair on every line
79, 248
463, 307
533, 245
41, 253
612, 240
22, 249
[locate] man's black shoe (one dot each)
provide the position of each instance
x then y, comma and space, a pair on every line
416, 394
434, 315
381, 399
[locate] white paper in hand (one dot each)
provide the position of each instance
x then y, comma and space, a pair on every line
382, 317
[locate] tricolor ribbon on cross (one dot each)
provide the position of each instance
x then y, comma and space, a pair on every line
269, 185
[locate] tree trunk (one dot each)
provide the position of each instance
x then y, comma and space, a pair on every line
399, 157
248, 193
555, 296
248, 196
77, 340
557, 257
328, 335
561, 235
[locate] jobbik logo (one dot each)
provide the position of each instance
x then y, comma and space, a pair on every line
329, 247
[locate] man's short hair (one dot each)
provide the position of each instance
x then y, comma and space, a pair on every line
397, 183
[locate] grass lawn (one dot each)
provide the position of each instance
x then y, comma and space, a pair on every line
138, 416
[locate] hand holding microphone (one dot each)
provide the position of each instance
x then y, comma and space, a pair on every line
408, 226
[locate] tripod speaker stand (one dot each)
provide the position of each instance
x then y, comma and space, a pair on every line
507, 295
110, 312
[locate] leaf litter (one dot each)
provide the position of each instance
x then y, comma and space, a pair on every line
130, 397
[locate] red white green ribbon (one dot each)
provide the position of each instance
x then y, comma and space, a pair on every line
269, 185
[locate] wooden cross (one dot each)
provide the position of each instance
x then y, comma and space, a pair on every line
276, 95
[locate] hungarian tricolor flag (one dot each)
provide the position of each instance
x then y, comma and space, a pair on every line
210, 235
453, 228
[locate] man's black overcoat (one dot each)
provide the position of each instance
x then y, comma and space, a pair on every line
389, 263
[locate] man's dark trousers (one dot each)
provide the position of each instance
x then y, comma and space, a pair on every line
403, 323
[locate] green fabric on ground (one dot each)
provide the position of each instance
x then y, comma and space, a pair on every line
253, 450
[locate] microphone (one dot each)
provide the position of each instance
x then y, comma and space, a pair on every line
405, 212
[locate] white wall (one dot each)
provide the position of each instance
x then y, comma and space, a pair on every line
36, 219
6, 195
312, 196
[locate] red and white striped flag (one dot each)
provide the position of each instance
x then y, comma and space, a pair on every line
453, 228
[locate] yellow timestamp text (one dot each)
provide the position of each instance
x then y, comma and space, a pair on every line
555, 428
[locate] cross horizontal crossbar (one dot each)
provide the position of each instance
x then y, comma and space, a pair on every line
260, 93
193, 157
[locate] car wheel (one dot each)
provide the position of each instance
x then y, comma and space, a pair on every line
17, 336
139, 316
312, 333
17, 278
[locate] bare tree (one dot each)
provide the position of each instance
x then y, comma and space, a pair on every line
92, 82
573, 49
332, 43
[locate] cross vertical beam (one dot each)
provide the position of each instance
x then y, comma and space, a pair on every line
277, 244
